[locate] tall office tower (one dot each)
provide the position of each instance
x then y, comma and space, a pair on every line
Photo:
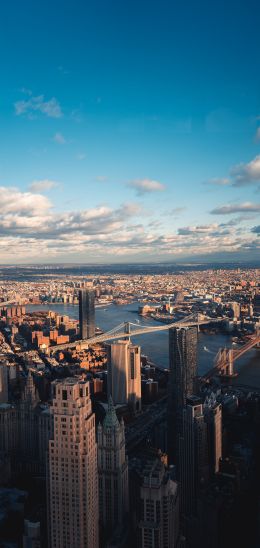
213, 417
124, 374
72, 473
235, 307
3, 383
112, 472
159, 523
87, 313
193, 455
256, 303
183, 371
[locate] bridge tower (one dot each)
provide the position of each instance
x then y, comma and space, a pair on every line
225, 361
230, 362
127, 330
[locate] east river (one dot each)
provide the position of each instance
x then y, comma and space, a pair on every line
155, 346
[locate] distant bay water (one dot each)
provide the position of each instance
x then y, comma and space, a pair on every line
156, 346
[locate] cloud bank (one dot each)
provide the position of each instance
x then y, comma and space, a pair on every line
31, 230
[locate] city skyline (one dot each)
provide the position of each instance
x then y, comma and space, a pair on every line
129, 133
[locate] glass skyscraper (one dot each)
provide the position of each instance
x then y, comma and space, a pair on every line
182, 381
87, 313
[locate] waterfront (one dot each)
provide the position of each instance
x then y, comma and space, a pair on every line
156, 346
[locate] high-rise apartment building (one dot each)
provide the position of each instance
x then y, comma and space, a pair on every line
183, 371
235, 307
159, 523
3, 383
124, 374
112, 472
193, 455
213, 417
72, 472
87, 313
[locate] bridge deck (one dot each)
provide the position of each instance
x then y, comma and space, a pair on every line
119, 333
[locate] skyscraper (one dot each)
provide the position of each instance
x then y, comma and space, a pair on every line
159, 523
213, 417
183, 371
193, 455
112, 472
87, 313
124, 374
3, 383
72, 473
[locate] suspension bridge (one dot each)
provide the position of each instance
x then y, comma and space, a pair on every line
225, 358
130, 329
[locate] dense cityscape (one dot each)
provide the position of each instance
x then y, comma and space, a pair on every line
101, 444
130, 274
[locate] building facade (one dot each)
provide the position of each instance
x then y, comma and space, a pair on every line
193, 456
3, 383
25, 429
183, 371
87, 313
159, 523
213, 416
124, 374
72, 471
112, 472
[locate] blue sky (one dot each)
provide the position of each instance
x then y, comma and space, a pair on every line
130, 131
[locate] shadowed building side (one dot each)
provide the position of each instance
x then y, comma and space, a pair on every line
183, 371
113, 474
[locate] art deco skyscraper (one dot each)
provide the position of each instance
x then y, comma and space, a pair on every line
124, 374
183, 371
113, 472
87, 313
72, 472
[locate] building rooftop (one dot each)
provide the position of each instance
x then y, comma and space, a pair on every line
110, 420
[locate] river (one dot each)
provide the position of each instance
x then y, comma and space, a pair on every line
156, 346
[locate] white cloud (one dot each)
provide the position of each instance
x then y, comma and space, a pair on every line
143, 186
43, 185
59, 138
246, 207
33, 105
26, 203
244, 174
30, 229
